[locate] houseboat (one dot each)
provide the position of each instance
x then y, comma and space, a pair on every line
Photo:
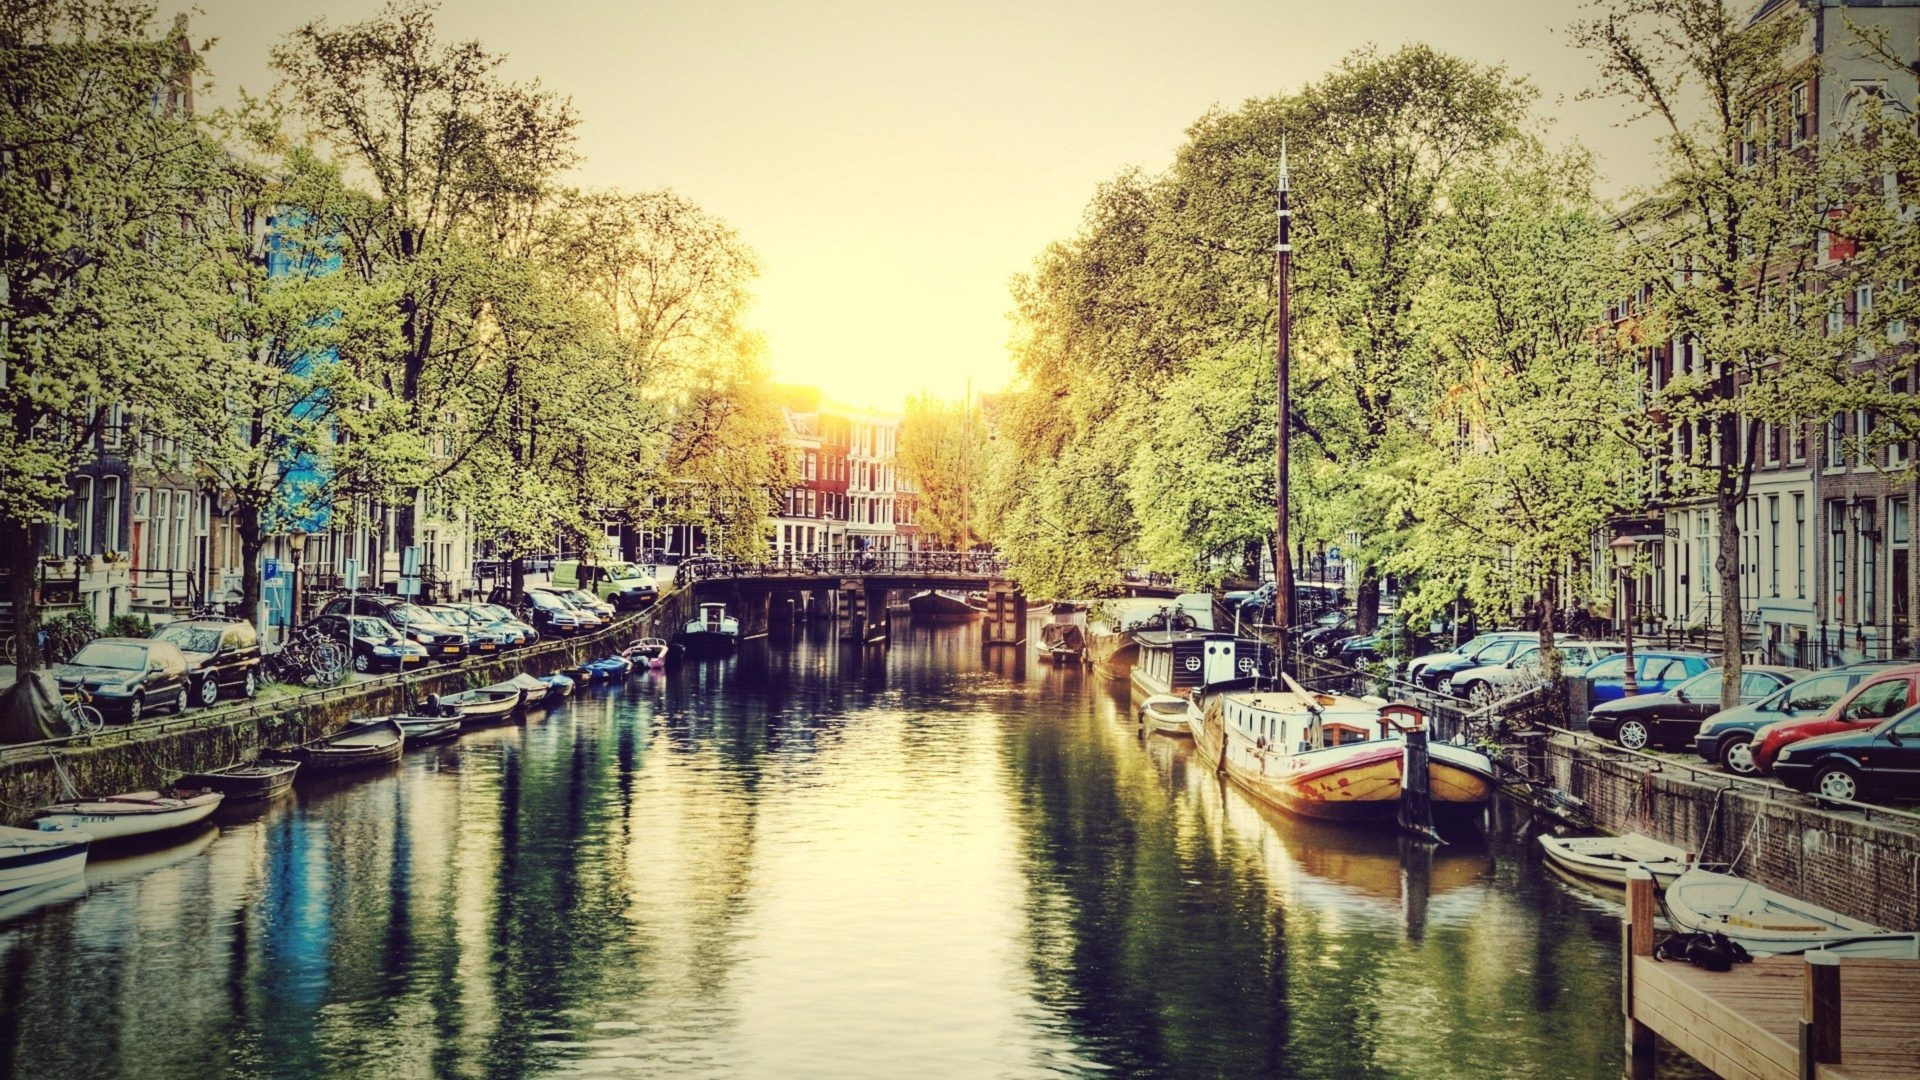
1112, 624
1177, 661
712, 630
1326, 756
944, 604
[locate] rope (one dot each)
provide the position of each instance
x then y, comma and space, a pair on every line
1734, 866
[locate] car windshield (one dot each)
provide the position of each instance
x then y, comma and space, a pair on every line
372, 629
112, 654
493, 610
412, 613
546, 600
584, 597
450, 616
1703, 686
199, 639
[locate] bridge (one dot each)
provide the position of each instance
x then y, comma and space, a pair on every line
852, 586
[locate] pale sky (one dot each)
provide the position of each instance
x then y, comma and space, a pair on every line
896, 163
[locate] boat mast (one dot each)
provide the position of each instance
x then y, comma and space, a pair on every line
1282, 560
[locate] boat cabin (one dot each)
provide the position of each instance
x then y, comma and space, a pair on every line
1276, 719
1173, 661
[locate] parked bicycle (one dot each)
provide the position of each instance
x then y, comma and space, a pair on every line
78, 713
309, 658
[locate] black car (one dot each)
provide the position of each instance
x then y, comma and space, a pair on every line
128, 677
1673, 718
441, 642
223, 656
373, 644
1326, 634
1875, 762
548, 614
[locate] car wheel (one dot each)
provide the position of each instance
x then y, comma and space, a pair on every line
136, 708
1737, 757
209, 691
1632, 735
183, 699
1481, 694
253, 684
362, 663
1837, 782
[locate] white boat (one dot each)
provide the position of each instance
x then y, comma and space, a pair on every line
136, 813
29, 857
713, 630
651, 651
1608, 858
1166, 714
536, 688
1767, 923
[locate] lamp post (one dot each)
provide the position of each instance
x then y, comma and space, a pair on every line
1623, 549
296, 546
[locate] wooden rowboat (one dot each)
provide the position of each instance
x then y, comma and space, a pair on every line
480, 705
1767, 923
251, 781
29, 857
1166, 714
136, 813
376, 742
536, 688
421, 730
1608, 858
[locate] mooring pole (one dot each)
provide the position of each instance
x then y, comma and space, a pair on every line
1282, 364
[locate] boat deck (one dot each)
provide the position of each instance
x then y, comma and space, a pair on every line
1861, 1016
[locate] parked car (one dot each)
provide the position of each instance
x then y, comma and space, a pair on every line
504, 616
548, 613
1327, 633
585, 603
372, 643
223, 656
1887, 692
481, 636
1392, 640
623, 584
1655, 671
1726, 738
128, 677
1487, 684
1873, 762
1672, 717
1497, 647
442, 642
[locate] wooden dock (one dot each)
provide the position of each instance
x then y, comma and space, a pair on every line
1818, 1016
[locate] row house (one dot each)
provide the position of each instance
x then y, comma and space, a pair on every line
1825, 530
846, 494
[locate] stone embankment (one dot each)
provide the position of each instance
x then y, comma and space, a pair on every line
150, 755
1863, 863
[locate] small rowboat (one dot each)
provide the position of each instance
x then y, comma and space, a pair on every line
1767, 923
558, 686
30, 857
246, 782
1166, 714
136, 813
650, 651
608, 667
376, 742
421, 730
1608, 858
536, 688
471, 705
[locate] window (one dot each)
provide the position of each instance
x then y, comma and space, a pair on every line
1773, 544
182, 539
1862, 433
110, 513
1897, 449
1897, 328
1836, 437
1816, 694
83, 541
1754, 685
157, 529
1879, 700
1802, 121
1797, 441
1770, 444
1800, 546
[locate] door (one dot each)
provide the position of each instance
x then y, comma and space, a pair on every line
1218, 665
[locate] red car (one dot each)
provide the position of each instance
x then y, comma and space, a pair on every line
1888, 692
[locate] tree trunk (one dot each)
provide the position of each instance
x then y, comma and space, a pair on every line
1727, 569
516, 579
21, 542
1913, 541
1366, 600
248, 524
1546, 610
1250, 559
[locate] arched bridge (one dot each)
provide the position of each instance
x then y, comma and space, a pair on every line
853, 585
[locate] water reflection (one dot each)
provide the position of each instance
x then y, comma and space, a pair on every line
812, 859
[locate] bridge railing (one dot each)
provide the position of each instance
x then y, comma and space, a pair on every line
982, 565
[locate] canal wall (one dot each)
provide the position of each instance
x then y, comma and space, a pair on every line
149, 755
1861, 863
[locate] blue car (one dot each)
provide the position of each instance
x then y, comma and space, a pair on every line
1655, 671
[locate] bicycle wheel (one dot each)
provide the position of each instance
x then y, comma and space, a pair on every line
328, 660
88, 719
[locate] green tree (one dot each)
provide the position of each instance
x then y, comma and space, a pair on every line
102, 295
943, 455
1724, 247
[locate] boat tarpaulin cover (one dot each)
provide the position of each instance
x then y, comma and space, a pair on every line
1062, 636
30, 709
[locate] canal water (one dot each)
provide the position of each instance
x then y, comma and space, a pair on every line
809, 861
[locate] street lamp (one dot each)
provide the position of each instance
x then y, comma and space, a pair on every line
1623, 549
297, 546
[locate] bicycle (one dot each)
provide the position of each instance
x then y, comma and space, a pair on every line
77, 711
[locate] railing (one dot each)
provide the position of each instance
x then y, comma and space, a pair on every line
984, 566
164, 588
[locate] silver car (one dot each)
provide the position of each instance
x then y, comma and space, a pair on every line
1491, 682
